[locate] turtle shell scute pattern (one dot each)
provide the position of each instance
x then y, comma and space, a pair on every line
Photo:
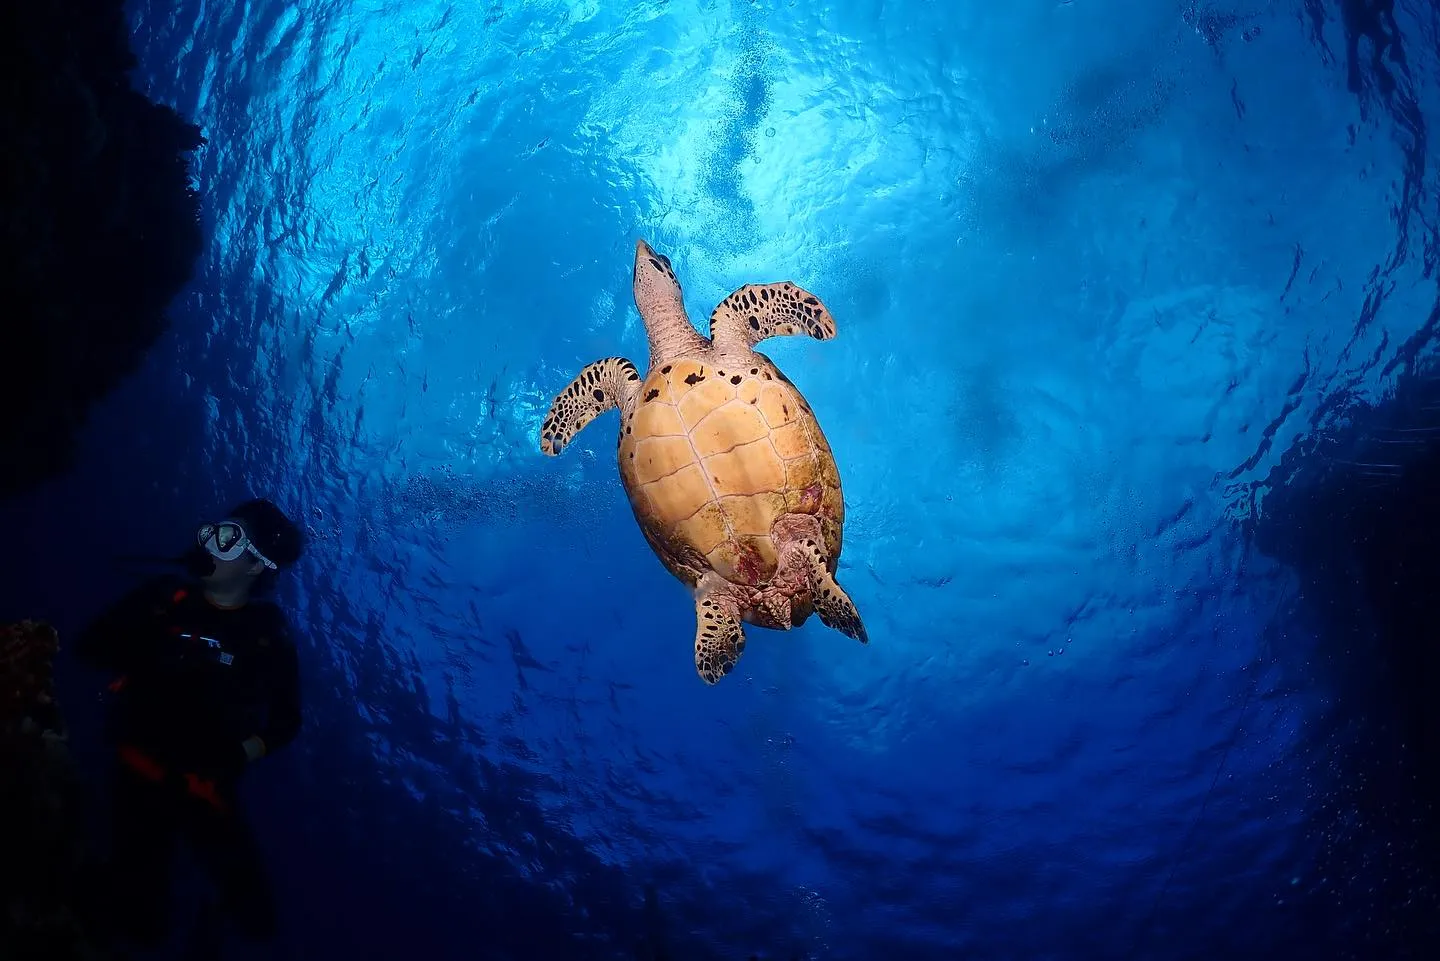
711, 456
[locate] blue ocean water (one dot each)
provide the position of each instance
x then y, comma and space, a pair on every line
1095, 267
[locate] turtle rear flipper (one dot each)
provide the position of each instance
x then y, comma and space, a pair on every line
607, 383
719, 637
834, 606
756, 312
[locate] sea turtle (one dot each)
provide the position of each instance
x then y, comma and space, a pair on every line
728, 473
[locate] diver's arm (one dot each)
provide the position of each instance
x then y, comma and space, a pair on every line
109, 642
283, 721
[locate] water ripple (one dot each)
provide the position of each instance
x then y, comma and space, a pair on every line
1094, 271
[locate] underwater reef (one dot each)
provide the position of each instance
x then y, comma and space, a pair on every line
42, 817
101, 226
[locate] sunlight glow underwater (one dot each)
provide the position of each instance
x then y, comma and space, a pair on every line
1055, 250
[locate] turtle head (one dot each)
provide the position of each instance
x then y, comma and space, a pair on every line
654, 279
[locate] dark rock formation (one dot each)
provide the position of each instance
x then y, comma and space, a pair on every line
41, 809
99, 225
1355, 513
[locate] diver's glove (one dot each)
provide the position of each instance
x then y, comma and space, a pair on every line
254, 748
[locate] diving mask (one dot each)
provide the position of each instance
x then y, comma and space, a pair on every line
227, 541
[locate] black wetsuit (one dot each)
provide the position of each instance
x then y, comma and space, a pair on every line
191, 683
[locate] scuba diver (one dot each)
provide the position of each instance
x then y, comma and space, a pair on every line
205, 683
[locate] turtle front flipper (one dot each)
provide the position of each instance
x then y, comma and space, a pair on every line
759, 311
612, 382
834, 606
719, 638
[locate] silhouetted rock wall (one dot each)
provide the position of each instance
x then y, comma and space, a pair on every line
1355, 513
99, 225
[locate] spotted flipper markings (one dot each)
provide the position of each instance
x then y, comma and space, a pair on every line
834, 606
598, 387
719, 638
760, 311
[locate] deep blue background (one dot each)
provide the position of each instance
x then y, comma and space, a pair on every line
1096, 266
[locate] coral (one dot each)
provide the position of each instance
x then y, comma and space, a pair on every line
41, 809
27, 690
99, 224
